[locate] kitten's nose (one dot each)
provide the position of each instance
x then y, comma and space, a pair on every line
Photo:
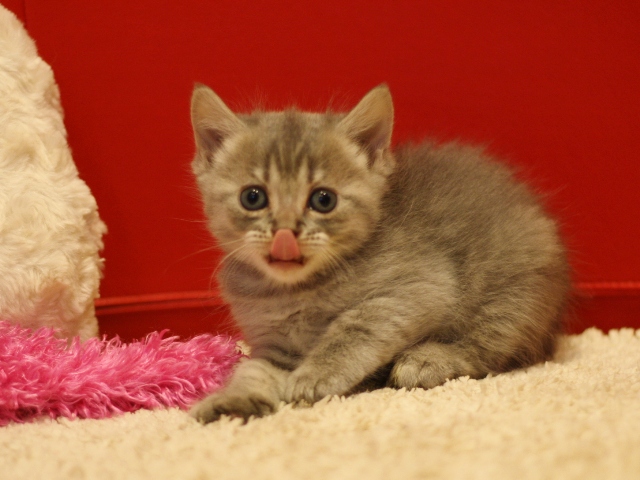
294, 231
293, 225
284, 246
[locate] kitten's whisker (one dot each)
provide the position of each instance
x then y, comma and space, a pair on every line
336, 262
240, 255
197, 252
230, 242
229, 257
215, 246
190, 220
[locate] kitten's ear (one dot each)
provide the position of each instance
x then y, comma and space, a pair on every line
370, 123
211, 119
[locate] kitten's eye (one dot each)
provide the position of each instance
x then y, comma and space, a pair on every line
322, 200
254, 198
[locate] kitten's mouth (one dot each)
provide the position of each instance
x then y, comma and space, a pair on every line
285, 253
285, 264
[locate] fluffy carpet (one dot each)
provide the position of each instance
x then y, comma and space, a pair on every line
577, 417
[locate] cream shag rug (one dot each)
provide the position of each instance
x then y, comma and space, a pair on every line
575, 418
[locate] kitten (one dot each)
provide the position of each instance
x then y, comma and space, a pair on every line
350, 266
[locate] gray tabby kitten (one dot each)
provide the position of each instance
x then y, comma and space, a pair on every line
350, 266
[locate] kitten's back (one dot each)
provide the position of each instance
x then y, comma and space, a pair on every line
452, 211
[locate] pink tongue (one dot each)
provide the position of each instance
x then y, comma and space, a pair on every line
284, 246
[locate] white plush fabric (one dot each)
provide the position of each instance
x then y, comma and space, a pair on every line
50, 232
577, 417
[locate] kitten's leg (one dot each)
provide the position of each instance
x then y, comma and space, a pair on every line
255, 389
429, 364
356, 344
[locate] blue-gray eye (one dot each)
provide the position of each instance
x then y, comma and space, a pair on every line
322, 200
254, 198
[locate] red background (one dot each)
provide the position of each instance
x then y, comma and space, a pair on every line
551, 86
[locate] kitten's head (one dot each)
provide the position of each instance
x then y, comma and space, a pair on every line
292, 193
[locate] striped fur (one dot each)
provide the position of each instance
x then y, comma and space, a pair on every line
434, 264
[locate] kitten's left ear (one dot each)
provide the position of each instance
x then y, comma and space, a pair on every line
370, 123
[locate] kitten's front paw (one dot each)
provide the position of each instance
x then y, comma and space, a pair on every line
244, 406
311, 386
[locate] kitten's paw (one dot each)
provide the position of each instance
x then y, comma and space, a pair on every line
410, 374
428, 365
234, 405
305, 384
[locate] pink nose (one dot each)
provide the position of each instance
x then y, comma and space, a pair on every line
285, 246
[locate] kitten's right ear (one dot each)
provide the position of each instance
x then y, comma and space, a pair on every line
211, 119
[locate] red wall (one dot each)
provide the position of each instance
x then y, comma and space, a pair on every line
552, 86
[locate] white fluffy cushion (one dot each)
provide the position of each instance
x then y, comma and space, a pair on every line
50, 231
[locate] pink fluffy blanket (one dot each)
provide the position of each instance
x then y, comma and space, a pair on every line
42, 375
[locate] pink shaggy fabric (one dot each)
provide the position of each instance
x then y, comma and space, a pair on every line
42, 375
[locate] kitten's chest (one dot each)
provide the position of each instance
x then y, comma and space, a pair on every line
293, 322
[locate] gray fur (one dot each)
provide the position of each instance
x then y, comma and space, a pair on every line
435, 264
